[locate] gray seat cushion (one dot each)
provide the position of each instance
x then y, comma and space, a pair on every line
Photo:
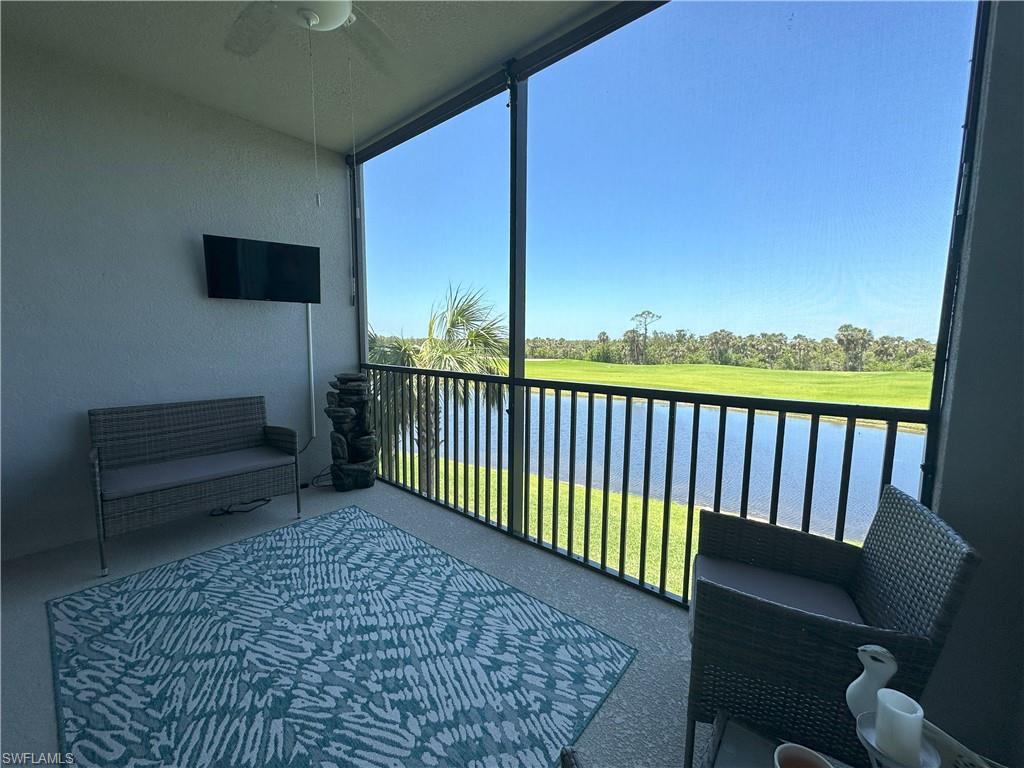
143, 478
798, 592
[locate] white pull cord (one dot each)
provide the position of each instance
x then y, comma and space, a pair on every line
353, 276
352, 110
312, 98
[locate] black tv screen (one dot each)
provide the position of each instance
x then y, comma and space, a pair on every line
256, 269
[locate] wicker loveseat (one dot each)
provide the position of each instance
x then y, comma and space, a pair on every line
153, 463
778, 615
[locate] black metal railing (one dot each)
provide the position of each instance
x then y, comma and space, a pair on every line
578, 475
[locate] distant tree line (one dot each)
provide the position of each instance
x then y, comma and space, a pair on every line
851, 349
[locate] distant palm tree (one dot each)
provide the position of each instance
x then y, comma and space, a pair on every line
465, 335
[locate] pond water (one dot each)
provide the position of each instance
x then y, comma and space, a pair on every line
865, 475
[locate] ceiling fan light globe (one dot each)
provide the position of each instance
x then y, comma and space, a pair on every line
325, 15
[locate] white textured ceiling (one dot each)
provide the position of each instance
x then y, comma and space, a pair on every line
405, 56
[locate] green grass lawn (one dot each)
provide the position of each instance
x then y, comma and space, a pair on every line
909, 389
633, 520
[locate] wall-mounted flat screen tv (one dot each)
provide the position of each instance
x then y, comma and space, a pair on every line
263, 271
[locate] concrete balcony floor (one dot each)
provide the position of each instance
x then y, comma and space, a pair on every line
642, 722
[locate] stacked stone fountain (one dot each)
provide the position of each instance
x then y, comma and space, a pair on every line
353, 441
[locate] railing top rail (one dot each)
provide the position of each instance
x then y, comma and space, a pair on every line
486, 377
808, 407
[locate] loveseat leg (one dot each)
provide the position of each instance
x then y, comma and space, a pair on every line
101, 535
298, 498
691, 725
103, 552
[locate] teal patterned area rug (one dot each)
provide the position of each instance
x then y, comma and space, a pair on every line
337, 641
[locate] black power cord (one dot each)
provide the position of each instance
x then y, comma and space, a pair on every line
230, 509
321, 478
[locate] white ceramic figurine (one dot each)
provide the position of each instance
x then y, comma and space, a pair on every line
879, 667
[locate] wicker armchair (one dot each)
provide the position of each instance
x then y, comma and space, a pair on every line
777, 617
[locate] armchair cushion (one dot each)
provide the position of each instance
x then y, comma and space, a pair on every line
777, 548
143, 478
785, 589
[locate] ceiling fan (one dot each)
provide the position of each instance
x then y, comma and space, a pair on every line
258, 21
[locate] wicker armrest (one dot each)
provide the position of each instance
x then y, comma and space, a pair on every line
776, 548
283, 438
796, 649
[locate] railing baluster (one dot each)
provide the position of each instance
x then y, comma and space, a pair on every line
556, 469
387, 411
404, 430
410, 437
691, 500
541, 408
386, 408
812, 460
487, 452
889, 455
720, 457
410, 415
375, 402
394, 400
476, 448
571, 523
627, 434
528, 434
447, 439
455, 442
465, 446
647, 490
844, 479
400, 427
590, 476
607, 479
748, 448
392, 393
666, 514
780, 440
382, 431
437, 440
501, 429
419, 401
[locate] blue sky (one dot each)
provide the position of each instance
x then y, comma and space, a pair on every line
750, 166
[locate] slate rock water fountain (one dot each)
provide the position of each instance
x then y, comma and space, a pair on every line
353, 441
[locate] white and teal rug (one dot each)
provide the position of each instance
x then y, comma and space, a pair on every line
337, 641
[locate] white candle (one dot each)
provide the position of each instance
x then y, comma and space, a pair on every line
898, 722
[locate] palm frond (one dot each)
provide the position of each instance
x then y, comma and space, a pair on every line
392, 350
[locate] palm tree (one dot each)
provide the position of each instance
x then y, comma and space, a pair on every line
464, 335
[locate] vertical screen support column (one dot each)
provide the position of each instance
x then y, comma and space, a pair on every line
517, 298
947, 312
357, 266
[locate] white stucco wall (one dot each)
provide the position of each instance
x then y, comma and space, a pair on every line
108, 187
976, 691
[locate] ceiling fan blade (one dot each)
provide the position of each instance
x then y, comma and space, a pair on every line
253, 27
377, 47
